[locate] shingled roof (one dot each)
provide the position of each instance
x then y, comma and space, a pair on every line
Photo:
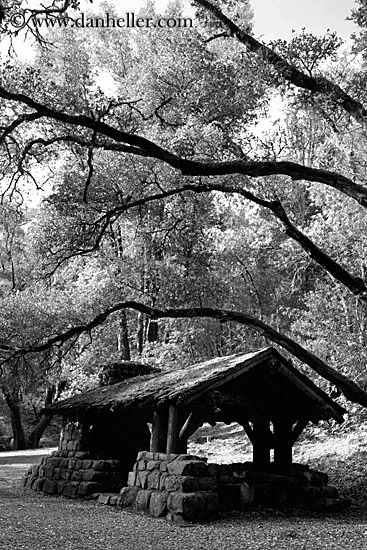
263, 379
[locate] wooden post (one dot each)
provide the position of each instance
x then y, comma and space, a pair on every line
283, 442
261, 444
158, 438
182, 445
298, 429
84, 433
173, 430
248, 430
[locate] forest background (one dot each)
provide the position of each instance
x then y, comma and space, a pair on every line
155, 208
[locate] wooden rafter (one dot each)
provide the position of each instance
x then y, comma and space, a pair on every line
298, 429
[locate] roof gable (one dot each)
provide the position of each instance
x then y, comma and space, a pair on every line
273, 381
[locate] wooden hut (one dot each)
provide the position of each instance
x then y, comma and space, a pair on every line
261, 391
106, 448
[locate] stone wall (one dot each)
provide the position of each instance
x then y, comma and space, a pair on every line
186, 488
181, 488
71, 436
241, 485
106, 436
74, 474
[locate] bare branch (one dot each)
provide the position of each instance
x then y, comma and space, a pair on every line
355, 284
16, 18
17, 122
350, 389
107, 146
144, 147
320, 85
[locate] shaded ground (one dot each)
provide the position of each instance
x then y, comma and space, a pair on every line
33, 521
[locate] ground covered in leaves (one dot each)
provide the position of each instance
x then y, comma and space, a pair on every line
33, 521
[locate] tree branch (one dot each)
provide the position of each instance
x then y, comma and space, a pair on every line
17, 122
107, 146
355, 284
320, 85
349, 388
90, 167
141, 146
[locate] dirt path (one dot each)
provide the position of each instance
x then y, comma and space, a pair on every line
14, 464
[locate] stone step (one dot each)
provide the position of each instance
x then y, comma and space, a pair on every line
109, 499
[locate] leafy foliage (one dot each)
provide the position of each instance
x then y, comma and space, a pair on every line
117, 223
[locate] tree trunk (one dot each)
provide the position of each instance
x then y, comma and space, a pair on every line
43, 421
152, 331
123, 345
12, 400
140, 334
34, 437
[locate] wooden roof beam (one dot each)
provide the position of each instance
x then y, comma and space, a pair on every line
231, 373
329, 411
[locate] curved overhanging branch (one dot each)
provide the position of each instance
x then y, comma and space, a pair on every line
349, 388
81, 142
7, 130
137, 145
320, 85
355, 284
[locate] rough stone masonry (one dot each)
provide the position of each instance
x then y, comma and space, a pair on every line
181, 488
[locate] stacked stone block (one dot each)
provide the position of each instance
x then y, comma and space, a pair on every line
240, 485
74, 474
71, 436
180, 488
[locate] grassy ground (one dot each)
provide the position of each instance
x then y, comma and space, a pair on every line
35, 521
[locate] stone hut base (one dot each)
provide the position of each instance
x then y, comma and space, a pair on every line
181, 488
186, 488
74, 474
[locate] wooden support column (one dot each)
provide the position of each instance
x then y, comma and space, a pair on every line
283, 445
158, 438
182, 445
248, 430
261, 444
298, 429
194, 421
173, 430
84, 433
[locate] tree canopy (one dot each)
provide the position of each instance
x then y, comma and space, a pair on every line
177, 219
